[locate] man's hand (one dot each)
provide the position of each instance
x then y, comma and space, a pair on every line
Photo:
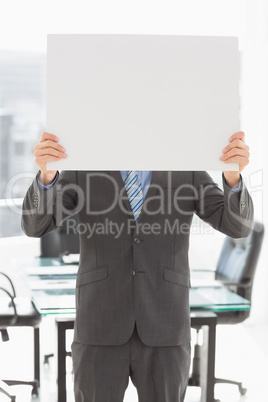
48, 149
237, 151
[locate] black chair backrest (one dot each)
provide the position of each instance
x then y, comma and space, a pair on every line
51, 244
63, 240
238, 260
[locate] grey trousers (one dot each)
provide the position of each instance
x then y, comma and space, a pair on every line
159, 373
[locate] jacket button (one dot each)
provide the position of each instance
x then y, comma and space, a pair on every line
133, 272
137, 240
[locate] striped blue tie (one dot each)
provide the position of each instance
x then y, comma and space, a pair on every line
134, 192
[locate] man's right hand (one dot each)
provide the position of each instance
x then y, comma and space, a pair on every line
48, 149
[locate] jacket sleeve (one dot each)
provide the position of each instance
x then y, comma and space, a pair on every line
44, 210
232, 213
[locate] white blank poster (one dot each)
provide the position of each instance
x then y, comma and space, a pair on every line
142, 102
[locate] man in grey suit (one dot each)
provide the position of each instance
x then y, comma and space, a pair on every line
132, 290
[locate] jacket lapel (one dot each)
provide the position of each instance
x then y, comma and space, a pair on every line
153, 188
121, 185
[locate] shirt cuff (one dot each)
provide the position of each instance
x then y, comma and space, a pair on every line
42, 186
235, 190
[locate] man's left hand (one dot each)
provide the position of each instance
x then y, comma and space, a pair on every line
237, 151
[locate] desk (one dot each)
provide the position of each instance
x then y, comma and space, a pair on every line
52, 283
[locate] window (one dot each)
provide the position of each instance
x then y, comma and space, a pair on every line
22, 121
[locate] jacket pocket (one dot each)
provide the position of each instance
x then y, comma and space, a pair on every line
180, 278
93, 275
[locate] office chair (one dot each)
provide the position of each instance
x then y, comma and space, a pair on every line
16, 311
236, 269
63, 240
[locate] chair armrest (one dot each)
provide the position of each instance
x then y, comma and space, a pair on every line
10, 282
9, 319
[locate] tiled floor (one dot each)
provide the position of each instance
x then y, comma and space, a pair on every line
241, 354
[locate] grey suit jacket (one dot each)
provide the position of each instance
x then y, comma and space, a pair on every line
141, 274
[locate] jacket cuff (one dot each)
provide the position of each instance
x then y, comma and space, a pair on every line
42, 186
